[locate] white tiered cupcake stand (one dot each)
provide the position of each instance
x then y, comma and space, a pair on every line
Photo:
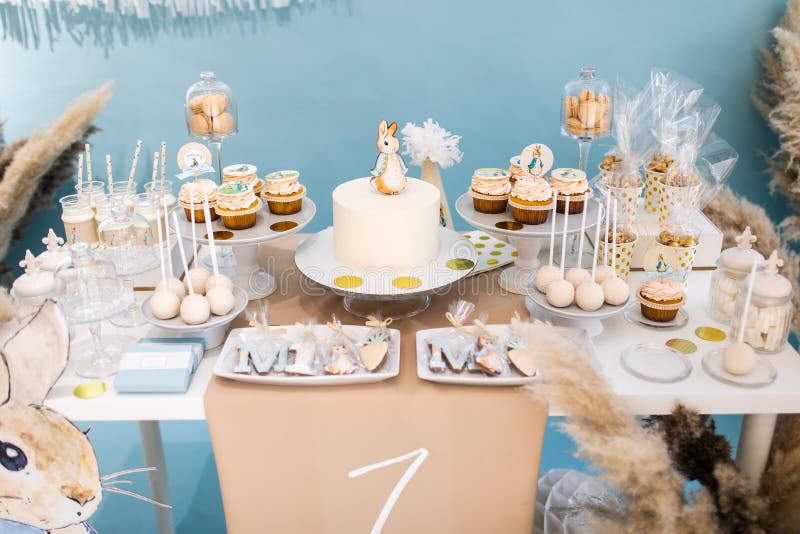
392, 294
528, 238
250, 275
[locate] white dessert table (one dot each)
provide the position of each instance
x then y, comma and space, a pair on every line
760, 406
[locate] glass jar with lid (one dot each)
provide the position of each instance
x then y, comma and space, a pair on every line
586, 106
210, 109
733, 266
766, 327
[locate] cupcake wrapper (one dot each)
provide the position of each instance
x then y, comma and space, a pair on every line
199, 214
530, 214
575, 205
545, 207
654, 314
480, 196
239, 222
660, 306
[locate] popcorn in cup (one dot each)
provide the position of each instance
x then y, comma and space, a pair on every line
625, 243
683, 239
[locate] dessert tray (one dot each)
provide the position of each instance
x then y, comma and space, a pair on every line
229, 359
528, 238
177, 324
249, 274
316, 260
472, 376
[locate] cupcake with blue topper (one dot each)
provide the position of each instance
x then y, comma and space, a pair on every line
238, 205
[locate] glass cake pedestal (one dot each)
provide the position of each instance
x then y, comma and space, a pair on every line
528, 238
250, 275
379, 291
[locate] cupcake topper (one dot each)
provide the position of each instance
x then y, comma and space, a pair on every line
746, 239
108, 172
161, 252
183, 253
80, 174
614, 241
194, 159
564, 236
771, 264
194, 231
88, 149
155, 173
133, 165
596, 241
583, 230
389, 173
52, 242
608, 218
30, 263
163, 163
537, 159
166, 237
553, 226
211, 242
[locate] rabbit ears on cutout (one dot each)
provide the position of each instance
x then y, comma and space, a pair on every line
34, 358
383, 129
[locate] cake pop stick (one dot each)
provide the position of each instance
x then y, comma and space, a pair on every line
194, 232
163, 163
108, 173
583, 230
548, 273
747, 299
183, 253
218, 287
199, 275
164, 304
88, 149
608, 218
161, 254
564, 236
614, 250
211, 241
133, 165
596, 241
553, 226
155, 173
166, 236
80, 174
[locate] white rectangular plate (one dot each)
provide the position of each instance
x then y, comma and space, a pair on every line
390, 368
509, 377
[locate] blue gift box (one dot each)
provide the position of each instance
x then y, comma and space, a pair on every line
156, 368
197, 343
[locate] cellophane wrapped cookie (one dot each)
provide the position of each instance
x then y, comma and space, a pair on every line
487, 354
270, 343
303, 352
374, 348
339, 353
452, 349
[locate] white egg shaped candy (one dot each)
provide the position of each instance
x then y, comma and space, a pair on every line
738, 358
220, 300
198, 276
589, 296
616, 290
577, 275
194, 309
560, 293
545, 275
218, 280
175, 286
164, 304
602, 272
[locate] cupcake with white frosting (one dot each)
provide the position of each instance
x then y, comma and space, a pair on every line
283, 192
660, 299
191, 199
570, 183
531, 200
245, 173
490, 190
237, 205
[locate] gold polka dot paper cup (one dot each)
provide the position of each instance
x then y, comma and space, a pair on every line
652, 190
627, 201
676, 200
684, 256
624, 255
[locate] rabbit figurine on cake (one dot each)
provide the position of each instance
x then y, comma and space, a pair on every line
389, 174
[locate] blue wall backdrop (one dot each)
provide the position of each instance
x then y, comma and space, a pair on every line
312, 82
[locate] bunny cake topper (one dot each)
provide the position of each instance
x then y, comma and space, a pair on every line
389, 174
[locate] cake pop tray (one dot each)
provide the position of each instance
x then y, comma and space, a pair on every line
268, 226
229, 356
510, 375
177, 324
504, 223
573, 311
316, 260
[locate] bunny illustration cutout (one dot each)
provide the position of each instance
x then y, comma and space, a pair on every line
49, 478
389, 174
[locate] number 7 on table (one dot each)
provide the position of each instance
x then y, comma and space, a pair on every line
420, 454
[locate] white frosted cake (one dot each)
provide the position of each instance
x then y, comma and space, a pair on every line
374, 230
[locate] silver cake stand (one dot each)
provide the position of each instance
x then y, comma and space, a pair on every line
250, 275
528, 238
395, 294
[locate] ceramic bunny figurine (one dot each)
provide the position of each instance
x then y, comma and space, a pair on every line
389, 174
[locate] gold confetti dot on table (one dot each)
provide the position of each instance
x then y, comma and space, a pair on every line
709, 333
683, 345
460, 264
484, 238
508, 225
514, 254
406, 282
282, 226
479, 245
499, 245
492, 262
467, 236
495, 253
348, 281
221, 235
90, 390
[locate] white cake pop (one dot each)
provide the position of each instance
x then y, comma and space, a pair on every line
739, 358
198, 277
219, 295
548, 273
605, 270
194, 307
616, 289
561, 293
173, 284
589, 295
164, 303
577, 275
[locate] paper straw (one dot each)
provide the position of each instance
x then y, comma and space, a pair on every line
553, 227
740, 337
564, 236
183, 253
88, 149
596, 241
161, 252
108, 172
614, 240
155, 172
194, 232
80, 174
608, 218
163, 164
133, 165
166, 238
583, 231
210, 232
